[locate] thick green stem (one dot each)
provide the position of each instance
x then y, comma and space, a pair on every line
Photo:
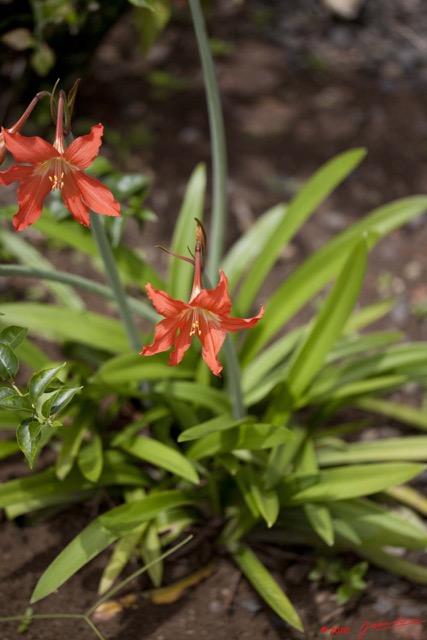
114, 281
219, 154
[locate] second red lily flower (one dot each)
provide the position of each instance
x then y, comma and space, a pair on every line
49, 167
206, 316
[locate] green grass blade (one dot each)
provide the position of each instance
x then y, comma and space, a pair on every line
318, 187
245, 436
329, 323
131, 368
86, 546
409, 448
401, 360
219, 423
267, 587
373, 524
248, 247
131, 264
196, 394
322, 267
99, 535
384, 560
95, 288
160, 455
409, 415
65, 324
123, 551
319, 517
28, 255
342, 483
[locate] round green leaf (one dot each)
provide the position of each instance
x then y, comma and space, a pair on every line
9, 363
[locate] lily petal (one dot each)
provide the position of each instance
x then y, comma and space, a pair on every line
236, 324
216, 300
15, 173
31, 193
164, 336
73, 200
164, 304
96, 195
32, 149
182, 341
212, 338
83, 150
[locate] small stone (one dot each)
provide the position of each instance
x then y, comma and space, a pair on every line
215, 606
413, 270
384, 605
347, 9
253, 606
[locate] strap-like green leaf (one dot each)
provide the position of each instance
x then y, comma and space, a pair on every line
266, 585
131, 368
101, 533
374, 524
87, 545
319, 516
83, 327
329, 323
383, 450
342, 483
246, 436
323, 266
318, 187
249, 245
27, 254
162, 456
404, 568
196, 394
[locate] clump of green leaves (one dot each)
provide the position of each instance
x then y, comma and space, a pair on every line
43, 399
349, 580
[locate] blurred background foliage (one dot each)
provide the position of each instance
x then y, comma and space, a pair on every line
43, 40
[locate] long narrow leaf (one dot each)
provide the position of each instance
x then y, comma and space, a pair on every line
266, 585
131, 368
404, 568
410, 448
131, 264
318, 187
249, 245
68, 324
323, 266
329, 323
101, 533
28, 255
342, 483
160, 455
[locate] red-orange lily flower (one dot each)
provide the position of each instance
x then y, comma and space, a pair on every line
206, 316
49, 167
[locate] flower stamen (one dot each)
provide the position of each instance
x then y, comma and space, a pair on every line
57, 183
195, 329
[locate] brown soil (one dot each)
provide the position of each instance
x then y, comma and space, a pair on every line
286, 113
